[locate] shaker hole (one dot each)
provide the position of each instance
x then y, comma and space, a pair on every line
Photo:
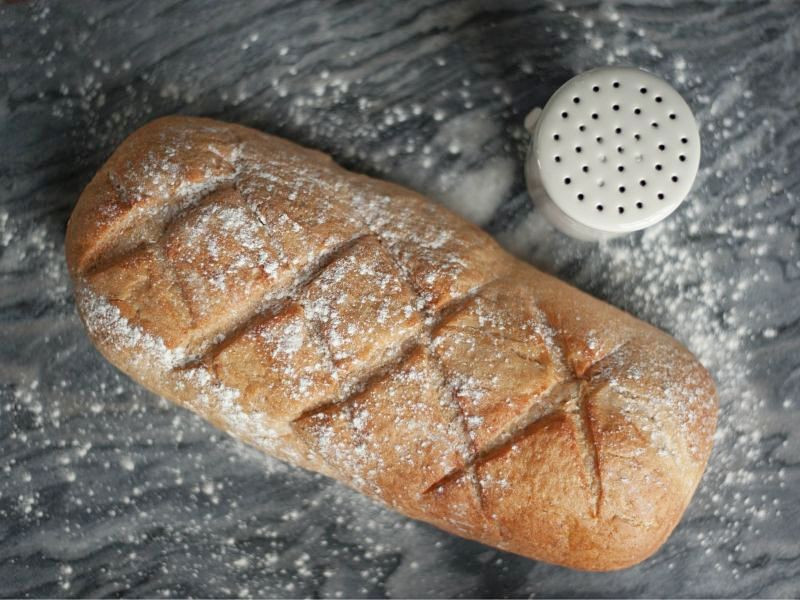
642, 182
599, 208
682, 158
580, 196
564, 115
660, 196
639, 205
576, 100
659, 98
662, 147
659, 167
675, 178
596, 88
595, 116
567, 180
615, 84
621, 209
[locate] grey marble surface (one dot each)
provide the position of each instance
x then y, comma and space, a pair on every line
107, 490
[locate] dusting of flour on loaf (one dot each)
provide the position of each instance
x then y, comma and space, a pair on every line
104, 319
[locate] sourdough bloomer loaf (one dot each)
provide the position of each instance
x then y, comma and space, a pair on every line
350, 326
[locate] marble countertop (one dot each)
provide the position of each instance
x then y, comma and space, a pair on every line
107, 490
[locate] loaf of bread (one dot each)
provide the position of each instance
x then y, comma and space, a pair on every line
352, 327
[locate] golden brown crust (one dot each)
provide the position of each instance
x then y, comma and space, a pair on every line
351, 327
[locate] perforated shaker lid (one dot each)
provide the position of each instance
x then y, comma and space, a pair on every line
613, 151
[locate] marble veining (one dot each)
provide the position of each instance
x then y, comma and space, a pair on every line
106, 489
